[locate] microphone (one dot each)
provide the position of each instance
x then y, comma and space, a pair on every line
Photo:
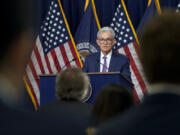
68, 62
98, 61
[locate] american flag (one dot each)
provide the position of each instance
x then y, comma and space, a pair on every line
127, 44
54, 50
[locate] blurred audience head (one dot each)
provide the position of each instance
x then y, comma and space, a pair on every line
71, 84
19, 28
113, 99
159, 48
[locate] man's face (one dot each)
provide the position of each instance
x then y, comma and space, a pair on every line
105, 42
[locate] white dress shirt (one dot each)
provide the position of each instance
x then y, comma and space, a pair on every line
108, 59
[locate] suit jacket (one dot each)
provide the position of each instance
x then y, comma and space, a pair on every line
158, 115
14, 121
118, 63
69, 112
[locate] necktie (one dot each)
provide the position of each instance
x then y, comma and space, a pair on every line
104, 65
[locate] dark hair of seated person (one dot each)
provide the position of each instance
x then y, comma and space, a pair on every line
112, 100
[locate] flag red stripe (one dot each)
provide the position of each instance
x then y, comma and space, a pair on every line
135, 69
136, 96
34, 73
65, 57
136, 48
38, 57
55, 60
48, 64
74, 53
32, 90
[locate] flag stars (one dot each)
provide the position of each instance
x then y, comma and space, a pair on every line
54, 11
47, 18
127, 29
60, 40
118, 10
126, 35
124, 40
62, 35
114, 19
45, 29
52, 16
58, 13
43, 34
57, 32
53, 30
49, 27
119, 6
56, 19
112, 24
59, 27
50, 8
60, 21
55, 24
131, 38
118, 44
115, 28
52, 35
46, 24
122, 13
120, 19
124, 22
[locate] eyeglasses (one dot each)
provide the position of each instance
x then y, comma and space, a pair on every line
108, 40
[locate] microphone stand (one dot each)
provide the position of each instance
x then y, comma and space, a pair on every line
68, 63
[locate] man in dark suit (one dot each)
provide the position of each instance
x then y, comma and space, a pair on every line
107, 60
159, 112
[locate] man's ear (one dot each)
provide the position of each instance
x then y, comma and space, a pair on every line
114, 42
97, 41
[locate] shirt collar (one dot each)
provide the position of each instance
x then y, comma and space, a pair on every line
107, 56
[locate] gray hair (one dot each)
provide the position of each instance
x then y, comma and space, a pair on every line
106, 29
71, 83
